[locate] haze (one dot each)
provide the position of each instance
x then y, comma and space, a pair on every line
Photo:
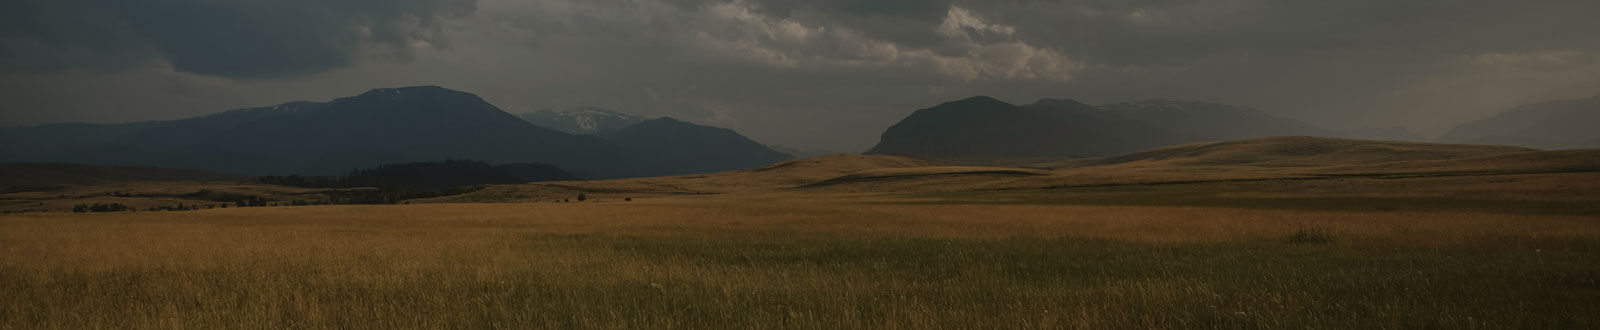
824, 75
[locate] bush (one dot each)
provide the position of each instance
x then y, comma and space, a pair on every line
101, 207
1310, 235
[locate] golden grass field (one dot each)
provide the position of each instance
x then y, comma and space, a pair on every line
1435, 242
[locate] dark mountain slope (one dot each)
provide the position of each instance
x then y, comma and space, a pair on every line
983, 127
407, 125
382, 126
672, 147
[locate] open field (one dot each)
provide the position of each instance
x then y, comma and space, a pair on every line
1228, 235
799, 261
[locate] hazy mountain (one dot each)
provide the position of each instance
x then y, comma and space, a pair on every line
802, 153
382, 126
673, 147
983, 127
582, 120
1193, 121
1561, 124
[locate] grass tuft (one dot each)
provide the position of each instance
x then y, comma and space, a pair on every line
1310, 234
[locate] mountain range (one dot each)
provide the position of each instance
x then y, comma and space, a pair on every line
381, 126
1559, 124
429, 123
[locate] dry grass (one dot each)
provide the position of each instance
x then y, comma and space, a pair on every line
1483, 237
794, 261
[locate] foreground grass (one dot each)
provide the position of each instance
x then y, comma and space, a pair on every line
712, 263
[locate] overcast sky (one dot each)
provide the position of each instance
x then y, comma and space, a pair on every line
821, 74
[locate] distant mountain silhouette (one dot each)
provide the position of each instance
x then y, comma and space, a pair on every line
1561, 124
676, 147
983, 127
986, 128
582, 120
382, 126
1193, 121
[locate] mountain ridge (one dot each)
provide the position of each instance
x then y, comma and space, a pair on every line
380, 126
1553, 124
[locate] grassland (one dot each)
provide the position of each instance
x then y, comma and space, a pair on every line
1227, 235
797, 261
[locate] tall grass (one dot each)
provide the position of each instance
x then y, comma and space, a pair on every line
721, 263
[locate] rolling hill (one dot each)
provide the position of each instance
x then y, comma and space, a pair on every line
1265, 160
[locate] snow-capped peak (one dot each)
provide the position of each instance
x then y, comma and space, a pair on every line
583, 120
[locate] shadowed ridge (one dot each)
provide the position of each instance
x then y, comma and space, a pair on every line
674, 147
1304, 151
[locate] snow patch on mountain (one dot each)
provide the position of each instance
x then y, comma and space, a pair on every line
583, 120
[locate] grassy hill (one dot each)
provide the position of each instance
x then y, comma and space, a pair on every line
1272, 158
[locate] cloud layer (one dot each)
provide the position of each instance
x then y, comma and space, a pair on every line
823, 74
235, 38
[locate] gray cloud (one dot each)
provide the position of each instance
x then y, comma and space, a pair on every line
821, 74
236, 38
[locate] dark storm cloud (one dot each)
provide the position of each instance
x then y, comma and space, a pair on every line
229, 38
784, 70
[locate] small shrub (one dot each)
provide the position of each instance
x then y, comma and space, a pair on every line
582, 197
1310, 235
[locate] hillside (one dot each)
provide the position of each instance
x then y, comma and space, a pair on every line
1250, 160
1304, 152
674, 147
774, 177
1561, 124
985, 129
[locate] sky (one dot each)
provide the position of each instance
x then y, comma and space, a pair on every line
815, 74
